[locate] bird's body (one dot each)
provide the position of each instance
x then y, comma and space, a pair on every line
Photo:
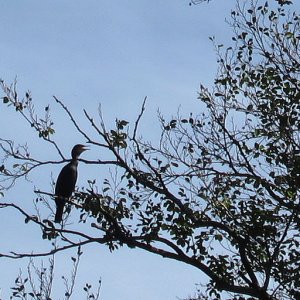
66, 182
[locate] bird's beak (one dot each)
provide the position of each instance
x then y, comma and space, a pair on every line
84, 148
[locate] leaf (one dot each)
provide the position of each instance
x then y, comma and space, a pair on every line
218, 237
250, 107
218, 94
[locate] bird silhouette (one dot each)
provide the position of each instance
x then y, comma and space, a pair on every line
66, 181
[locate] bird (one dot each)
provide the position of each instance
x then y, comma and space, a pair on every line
66, 181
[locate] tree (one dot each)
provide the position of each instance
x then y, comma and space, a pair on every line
220, 190
38, 282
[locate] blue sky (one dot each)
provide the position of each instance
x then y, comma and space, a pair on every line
114, 53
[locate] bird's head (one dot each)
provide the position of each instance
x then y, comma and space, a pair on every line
78, 149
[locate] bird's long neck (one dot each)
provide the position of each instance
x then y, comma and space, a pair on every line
74, 161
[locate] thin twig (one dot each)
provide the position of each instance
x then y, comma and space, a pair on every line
139, 118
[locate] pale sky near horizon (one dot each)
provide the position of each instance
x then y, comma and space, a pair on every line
114, 53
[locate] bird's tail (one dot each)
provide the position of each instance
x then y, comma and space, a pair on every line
59, 212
